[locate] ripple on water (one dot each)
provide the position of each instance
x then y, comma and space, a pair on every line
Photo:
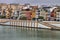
19, 33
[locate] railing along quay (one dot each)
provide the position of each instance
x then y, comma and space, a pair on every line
28, 24
24, 23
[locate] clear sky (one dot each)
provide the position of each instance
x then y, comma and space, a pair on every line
33, 2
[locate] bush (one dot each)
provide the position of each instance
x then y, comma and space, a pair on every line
23, 18
40, 17
2, 16
33, 18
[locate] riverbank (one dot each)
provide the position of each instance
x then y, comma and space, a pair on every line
30, 24
4, 20
53, 24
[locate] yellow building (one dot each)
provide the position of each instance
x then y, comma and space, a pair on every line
34, 8
33, 14
11, 10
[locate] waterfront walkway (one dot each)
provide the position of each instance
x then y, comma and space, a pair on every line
4, 20
24, 23
29, 23
52, 24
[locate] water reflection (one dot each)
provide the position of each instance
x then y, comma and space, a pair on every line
13, 33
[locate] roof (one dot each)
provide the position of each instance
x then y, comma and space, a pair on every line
14, 4
25, 7
51, 9
34, 7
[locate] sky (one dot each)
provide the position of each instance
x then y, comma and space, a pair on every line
33, 2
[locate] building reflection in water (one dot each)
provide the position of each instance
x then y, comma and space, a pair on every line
20, 33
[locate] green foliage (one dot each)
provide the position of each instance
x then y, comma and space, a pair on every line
33, 19
23, 18
0, 7
40, 17
2, 16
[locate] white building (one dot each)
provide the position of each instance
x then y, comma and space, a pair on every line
57, 15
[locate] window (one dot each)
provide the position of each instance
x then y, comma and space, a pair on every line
0, 13
4, 12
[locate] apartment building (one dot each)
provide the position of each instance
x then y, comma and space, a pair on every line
3, 7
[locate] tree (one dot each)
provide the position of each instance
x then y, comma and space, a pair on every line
40, 17
0, 7
9, 12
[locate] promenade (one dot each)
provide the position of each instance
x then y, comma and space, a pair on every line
23, 23
30, 23
4, 20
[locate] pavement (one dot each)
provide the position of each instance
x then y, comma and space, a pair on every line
26, 23
52, 24
30, 23
4, 20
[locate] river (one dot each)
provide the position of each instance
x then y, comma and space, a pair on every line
19, 33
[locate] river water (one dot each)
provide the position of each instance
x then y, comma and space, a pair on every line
19, 33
